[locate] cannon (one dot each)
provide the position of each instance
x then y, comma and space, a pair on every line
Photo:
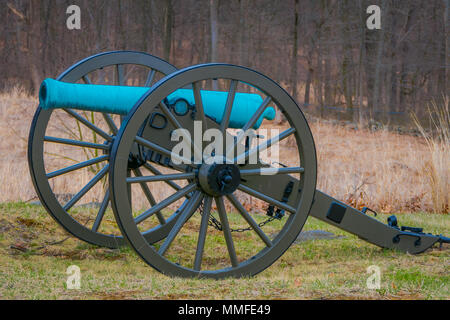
137, 154
121, 99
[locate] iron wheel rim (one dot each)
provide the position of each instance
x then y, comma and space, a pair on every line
36, 145
126, 136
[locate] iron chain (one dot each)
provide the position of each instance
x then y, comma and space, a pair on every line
213, 222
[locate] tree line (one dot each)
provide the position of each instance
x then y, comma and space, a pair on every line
321, 51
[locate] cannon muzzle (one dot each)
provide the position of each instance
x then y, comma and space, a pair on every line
121, 99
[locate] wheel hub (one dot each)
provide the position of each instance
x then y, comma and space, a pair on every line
135, 161
137, 156
219, 179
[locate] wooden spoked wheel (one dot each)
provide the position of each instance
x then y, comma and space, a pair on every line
193, 247
69, 151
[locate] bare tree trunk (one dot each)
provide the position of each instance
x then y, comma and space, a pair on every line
308, 83
46, 18
122, 32
403, 85
347, 62
214, 12
378, 65
154, 15
327, 91
362, 54
447, 46
34, 41
243, 43
147, 31
214, 8
318, 90
445, 53
310, 69
295, 51
168, 22
391, 73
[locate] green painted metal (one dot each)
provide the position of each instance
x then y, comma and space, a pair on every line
121, 99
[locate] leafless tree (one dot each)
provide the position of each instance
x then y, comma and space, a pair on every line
320, 50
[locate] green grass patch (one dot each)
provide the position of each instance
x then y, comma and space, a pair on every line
34, 268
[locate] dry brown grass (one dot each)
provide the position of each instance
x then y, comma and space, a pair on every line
16, 112
437, 167
382, 170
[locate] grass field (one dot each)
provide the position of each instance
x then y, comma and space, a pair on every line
383, 170
35, 253
380, 169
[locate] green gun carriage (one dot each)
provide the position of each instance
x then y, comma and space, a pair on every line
133, 151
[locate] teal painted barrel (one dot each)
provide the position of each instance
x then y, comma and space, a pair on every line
101, 98
245, 105
121, 99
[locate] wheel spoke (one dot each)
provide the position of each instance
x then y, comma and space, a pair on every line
88, 124
129, 193
177, 167
156, 172
185, 214
266, 144
250, 123
226, 231
228, 106
163, 177
101, 211
249, 220
148, 195
86, 188
268, 199
92, 139
170, 115
77, 166
120, 81
76, 143
173, 120
202, 233
163, 151
110, 122
199, 105
86, 79
258, 113
119, 74
150, 77
271, 171
166, 202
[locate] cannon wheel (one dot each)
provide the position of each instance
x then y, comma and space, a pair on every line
37, 139
171, 259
